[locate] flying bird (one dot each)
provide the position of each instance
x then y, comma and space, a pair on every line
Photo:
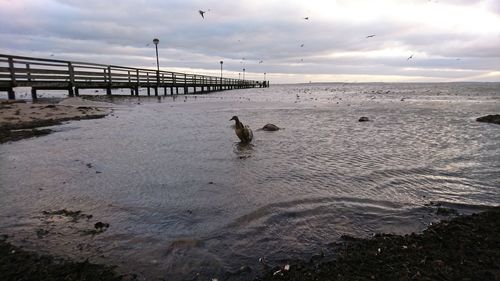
370, 36
201, 13
306, 18
302, 45
410, 57
261, 61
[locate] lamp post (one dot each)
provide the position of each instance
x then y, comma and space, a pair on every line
264, 76
265, 82
156, 41
239, 75
243, 74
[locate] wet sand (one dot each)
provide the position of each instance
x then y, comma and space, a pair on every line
19, 120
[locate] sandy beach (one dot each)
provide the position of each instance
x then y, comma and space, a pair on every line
19, 119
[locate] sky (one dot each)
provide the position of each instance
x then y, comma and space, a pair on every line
414, 40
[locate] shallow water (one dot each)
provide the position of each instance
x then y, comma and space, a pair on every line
184, 199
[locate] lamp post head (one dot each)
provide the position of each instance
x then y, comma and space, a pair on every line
221, 62
156, 41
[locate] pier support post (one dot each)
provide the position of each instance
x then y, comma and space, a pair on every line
77, 91
11, 94
33, 94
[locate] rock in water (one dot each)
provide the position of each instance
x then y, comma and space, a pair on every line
364, 119
270, 127
490, 119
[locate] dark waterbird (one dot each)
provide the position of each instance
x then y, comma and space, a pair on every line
244, 133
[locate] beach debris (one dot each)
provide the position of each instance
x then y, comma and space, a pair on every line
364, 119
277, 271
270, 127
215, 279
286, 267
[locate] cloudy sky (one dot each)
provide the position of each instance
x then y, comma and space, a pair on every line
449, 40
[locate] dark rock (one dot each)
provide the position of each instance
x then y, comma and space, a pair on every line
363, 119
101, 225
270, 127
490, 119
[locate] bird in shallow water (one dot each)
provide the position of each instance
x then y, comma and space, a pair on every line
244, 133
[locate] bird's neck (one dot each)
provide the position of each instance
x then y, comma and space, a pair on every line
239, 124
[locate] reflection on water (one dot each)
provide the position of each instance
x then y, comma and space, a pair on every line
183, 198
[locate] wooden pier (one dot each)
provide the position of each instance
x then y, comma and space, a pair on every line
49, 74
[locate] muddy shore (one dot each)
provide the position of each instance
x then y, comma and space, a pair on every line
463, 248
19, 120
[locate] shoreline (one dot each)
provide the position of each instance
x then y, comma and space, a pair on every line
21, 120
462, 248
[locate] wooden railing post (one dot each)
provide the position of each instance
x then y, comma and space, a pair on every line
164, 84
130, 83
110, 81
194, 88
11, 94
71, 79
185, 84
138, 82
147, 83
172, 85
157, 82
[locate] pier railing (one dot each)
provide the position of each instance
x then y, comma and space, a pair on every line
50, 74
